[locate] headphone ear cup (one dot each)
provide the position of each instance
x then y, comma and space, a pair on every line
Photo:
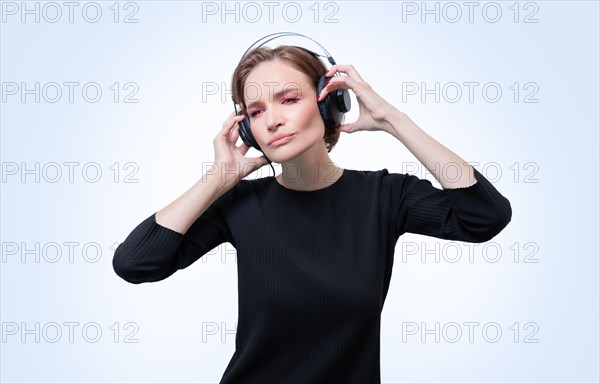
246, 132
324, 105
334, 106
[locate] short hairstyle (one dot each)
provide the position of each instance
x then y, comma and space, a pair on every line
301, 60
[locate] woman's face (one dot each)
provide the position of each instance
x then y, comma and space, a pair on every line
280, 100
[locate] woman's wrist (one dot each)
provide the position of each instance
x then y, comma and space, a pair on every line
394, 120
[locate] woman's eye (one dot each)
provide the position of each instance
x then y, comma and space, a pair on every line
253, 113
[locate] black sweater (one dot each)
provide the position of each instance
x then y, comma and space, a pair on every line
313, 267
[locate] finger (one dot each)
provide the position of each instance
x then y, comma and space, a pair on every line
231, 118
261, 161
235, 134
244, 148
348, 128
347, 69
231, 136
339, 82
229, 124
256, 163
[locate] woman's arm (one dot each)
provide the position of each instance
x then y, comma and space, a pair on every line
469, 208
431, 153
475, 213
181, 213
178, 235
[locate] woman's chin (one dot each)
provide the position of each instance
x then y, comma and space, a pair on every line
283, 153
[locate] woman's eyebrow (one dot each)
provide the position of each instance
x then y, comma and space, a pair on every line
276, 96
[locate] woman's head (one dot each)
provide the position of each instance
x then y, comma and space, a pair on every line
277, 91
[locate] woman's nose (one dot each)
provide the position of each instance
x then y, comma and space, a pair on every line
273, 117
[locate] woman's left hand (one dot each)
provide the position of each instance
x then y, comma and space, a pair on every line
373, 109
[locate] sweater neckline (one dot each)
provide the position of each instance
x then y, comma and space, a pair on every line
320, 190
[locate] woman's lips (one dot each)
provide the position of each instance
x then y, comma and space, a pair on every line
282, 141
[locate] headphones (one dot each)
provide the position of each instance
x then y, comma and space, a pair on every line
332, 108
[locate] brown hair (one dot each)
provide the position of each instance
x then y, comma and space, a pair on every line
301, 60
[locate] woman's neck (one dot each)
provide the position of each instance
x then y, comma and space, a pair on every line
309, 175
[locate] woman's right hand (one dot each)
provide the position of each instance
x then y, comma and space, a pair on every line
231, 162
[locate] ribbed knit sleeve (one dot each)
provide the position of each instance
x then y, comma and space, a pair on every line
152, 252
474, 214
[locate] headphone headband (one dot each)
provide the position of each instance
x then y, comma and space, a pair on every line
282, 34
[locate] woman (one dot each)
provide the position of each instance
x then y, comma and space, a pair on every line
315, 244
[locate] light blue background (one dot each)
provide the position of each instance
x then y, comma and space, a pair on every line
170, 53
